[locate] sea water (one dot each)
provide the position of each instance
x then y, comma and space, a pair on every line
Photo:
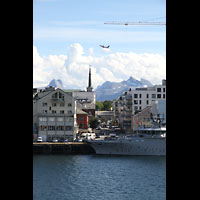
98, 177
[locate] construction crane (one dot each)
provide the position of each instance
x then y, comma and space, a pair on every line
135, 23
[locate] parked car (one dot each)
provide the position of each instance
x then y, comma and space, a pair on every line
39, 139
54, 140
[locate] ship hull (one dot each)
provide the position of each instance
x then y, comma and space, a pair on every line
136, 146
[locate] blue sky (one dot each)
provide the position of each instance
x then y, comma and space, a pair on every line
59, 23
67, 35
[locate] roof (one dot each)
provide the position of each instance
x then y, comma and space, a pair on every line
79, 111
50, 92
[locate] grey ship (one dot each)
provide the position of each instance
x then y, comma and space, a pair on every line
144, 141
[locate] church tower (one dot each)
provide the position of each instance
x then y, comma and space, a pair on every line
89, 88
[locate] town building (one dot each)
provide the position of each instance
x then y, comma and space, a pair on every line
105, 115
159, 110
142, 118
54, 115
82, 120
154, 113
59, 113
145, 96
136, 100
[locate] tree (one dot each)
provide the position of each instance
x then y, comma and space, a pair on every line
99, 105
93, 122
103, 106
107, 105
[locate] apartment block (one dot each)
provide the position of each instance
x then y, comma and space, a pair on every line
136, 100
54, 114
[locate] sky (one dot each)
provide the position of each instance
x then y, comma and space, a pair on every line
67, 35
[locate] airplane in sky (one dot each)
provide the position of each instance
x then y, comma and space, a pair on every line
104, 46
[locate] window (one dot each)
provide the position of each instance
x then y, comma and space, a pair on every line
60, 119
69, 104
153, 96
62, 112
135, 108
44, 111
43, 128
51, 128
69, 119
147, 96
140, 95
62, 104
53, 111
51, 119
147, 102
69, 112
68, 128
158, 89
53, 104
44, 104
158, 96
60, 128
163, 96
135, 95
60, 95
55, 96
163, 89
140, 101
135, 101
42, 119
81, 118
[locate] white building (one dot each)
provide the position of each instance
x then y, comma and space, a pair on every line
135, 100
54, 114
159, 110
143, 97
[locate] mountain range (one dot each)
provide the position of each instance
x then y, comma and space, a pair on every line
112, 90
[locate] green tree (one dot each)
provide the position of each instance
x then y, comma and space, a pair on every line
99, 105
107, 105
93, 122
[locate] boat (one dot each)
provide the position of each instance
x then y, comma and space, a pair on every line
143, 141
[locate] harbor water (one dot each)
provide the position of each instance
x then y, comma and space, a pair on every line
81, 177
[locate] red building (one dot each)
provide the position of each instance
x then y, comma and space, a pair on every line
82, 119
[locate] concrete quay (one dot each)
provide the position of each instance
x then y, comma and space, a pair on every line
62, 148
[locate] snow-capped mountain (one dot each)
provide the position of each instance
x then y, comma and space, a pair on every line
112, 90
56, 83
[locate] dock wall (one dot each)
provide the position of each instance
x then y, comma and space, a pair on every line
62, 148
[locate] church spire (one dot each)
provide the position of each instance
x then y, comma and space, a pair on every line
89, 88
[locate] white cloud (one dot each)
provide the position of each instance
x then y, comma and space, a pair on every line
72, 68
